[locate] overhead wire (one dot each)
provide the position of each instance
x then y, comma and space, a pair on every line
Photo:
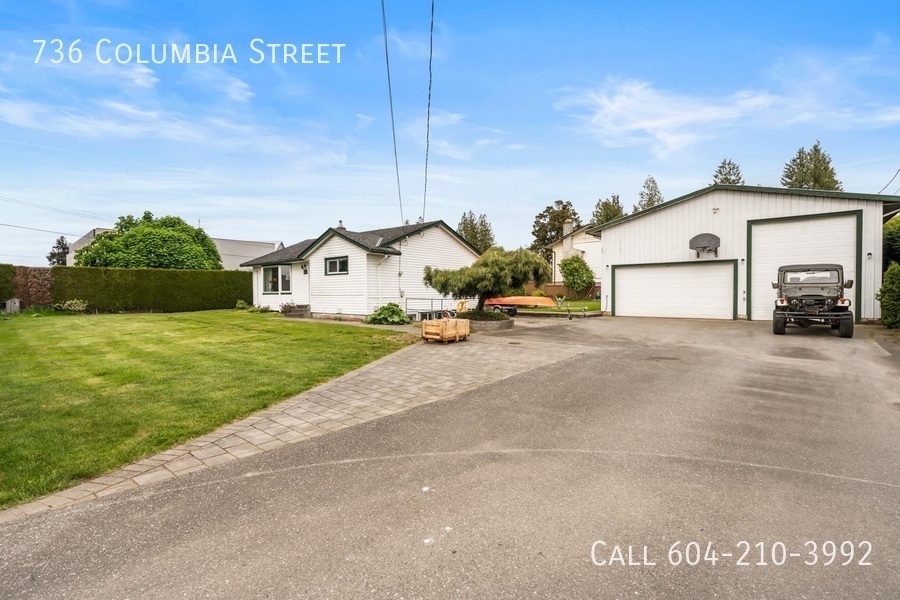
43, 230
890, 182
387, 62
63, 211
428, 111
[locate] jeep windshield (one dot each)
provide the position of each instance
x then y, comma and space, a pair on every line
811, 277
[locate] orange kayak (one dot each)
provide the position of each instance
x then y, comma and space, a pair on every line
521, 301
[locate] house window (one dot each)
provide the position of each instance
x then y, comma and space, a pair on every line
277, 280
339, 265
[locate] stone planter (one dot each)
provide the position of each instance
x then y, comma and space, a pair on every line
300, 312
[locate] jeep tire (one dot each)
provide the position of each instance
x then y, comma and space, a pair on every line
779, 323
845, 330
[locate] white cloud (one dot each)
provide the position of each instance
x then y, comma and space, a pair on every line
237, 90
363, 121
450, 150
632, 112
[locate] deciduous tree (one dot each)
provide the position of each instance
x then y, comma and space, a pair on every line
577, 274
476, 230
810, 170
548, 226
163, 243
490, 276
891, 241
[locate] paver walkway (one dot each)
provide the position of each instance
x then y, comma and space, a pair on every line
415, 375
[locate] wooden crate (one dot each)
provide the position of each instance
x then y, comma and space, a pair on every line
445, 330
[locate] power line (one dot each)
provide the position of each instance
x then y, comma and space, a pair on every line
890, 182
387, 62
54, 209
44, 230
428, 113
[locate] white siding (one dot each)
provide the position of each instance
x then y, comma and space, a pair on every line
338, 294
299, 289
587, 246
700, 290
663, 235
434, 247
384, 280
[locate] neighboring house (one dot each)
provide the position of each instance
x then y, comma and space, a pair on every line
352, 273
576, 242
233, 252
649, 268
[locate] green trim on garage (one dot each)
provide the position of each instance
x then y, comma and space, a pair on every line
859, 236
683, 263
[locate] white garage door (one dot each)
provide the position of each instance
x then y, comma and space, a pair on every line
695, 290
818, 240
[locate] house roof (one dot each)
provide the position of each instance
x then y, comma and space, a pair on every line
888, 201
576, 231
377, 241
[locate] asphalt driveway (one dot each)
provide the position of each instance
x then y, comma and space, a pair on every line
717, 435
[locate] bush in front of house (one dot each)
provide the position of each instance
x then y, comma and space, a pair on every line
241, 305
163, 290
538, 294
7, 287
389, 314
889, 296
483, 315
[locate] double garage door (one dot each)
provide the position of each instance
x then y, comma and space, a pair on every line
707, 289
699, 290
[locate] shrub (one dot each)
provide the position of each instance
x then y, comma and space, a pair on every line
241, 305
891, 240
483, 315
516, 291
265, 309
889, 296
288, 307
538, 294
7, 287
74, 305
253, 309
165, 290
389, 314
577, 274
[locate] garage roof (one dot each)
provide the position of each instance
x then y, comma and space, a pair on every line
891, 203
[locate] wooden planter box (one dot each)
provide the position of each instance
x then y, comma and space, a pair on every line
445, 330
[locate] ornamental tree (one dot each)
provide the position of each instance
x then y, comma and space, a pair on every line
163, 243
490, 276
577, 274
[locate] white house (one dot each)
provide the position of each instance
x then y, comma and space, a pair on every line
576, 242
352, 273
233, 252
649, 268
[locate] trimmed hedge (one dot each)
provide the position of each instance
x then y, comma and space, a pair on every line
164, 290
7, 287
889, 296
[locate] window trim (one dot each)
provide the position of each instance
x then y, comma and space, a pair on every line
279, 292
337, 258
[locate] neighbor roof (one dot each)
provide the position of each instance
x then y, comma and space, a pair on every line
377, 241
889, 201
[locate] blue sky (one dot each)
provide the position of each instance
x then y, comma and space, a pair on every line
532, 102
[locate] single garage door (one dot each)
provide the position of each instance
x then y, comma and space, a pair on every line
797, 241
699, 290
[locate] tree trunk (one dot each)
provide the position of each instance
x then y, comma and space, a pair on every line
481, 300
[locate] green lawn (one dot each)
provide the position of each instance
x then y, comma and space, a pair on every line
83, 394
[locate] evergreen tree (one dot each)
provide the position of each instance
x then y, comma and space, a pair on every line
650, 195
57, 256
548, 226
810, 170
476, 230
607, 210
728, 173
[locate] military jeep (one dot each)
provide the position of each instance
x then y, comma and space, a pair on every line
810, 294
